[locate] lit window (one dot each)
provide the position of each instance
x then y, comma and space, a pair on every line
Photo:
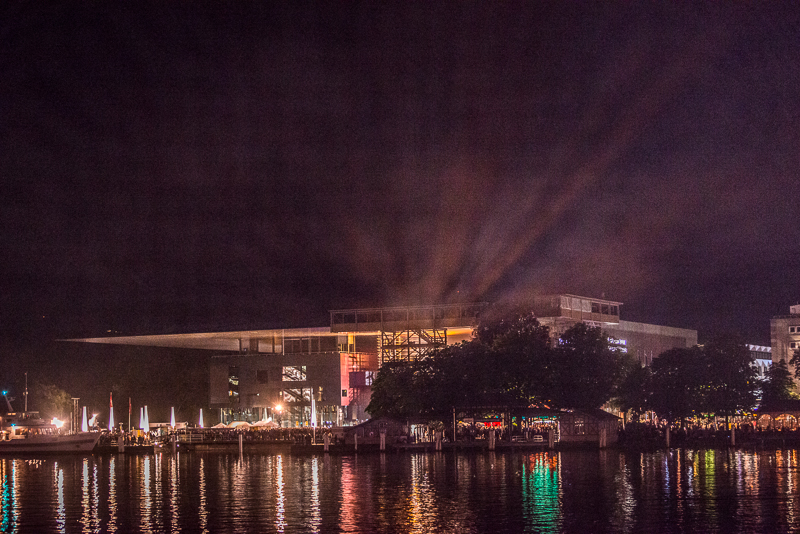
233, 382
580, 427
297, 395
294, 373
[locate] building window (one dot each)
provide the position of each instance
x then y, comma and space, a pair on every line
233, 382
580, 426
294, 373
792, 329
793, 345
297, 395
595, 307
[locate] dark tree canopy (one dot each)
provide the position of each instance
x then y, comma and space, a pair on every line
587, 371
731, 376
509, 363
795, 363
778, 385
678, 383
514, 363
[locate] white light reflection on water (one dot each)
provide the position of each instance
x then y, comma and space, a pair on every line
625, 497
112, 495
85, 504
203, 508
174, 484
158, 493
691, 471
316, 515
146, 506
280, 498
61, 518
240, 492
791, 489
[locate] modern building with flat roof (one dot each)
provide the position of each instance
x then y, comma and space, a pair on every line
642, 340
325, 374
785, 334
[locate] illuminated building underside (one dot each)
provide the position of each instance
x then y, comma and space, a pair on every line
408, 333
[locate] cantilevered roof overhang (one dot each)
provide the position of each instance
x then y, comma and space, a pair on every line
219, 341
458, 320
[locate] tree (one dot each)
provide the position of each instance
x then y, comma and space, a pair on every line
732, 381
394, 391
520, 362
678, 383
795, 363
635, 391
52, 401
587, 371
509, 363
778, 385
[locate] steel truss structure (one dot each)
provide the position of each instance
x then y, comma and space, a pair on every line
411, 344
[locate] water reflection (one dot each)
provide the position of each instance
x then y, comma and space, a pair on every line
173, 492
61, 519
280, 515
112, 495
541, 488
203, 508
677, 490
146, 498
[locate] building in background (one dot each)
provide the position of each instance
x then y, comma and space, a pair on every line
324, 375
762, 357
642, 340
785, 334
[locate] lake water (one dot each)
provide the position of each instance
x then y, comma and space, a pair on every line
574, 491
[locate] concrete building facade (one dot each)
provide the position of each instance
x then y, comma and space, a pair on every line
785, 334
643, 341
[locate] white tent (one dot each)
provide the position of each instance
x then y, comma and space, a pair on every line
265, 424
219, 425
238, 424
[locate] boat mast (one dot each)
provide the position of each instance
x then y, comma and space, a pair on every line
26, 392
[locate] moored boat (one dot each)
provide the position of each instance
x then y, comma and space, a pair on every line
26, 433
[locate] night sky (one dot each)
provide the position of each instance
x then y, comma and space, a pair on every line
182, 166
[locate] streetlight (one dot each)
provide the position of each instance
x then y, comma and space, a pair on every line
279, 408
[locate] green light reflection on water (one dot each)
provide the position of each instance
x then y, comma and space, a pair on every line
7, 496
541, 483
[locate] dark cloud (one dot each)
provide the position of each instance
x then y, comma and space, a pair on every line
211, 166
